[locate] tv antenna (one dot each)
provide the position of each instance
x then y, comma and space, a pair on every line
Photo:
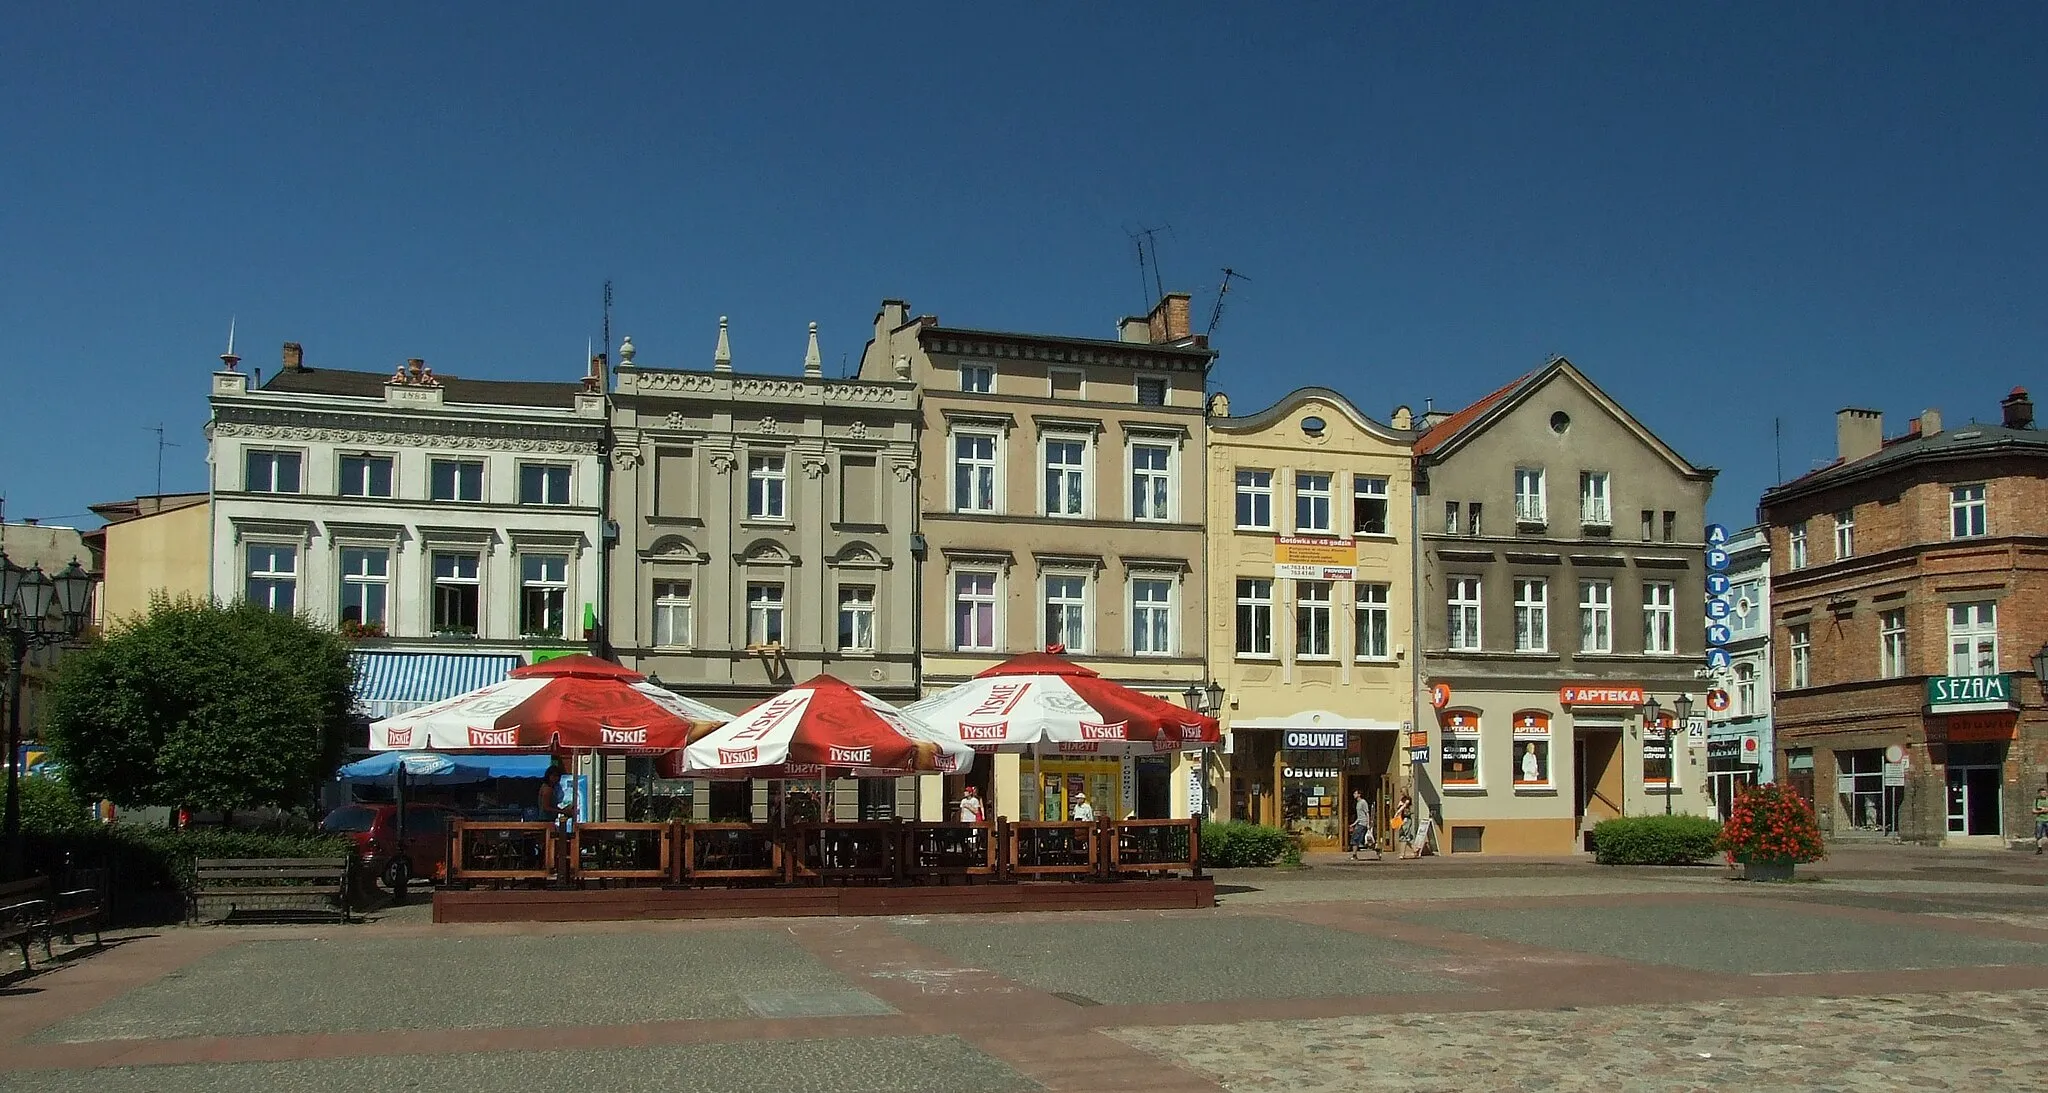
1147, 242
161, 444
607, 318
1216, 313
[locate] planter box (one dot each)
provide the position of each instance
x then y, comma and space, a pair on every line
1767, 870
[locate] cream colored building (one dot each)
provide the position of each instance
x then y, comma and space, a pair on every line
150, 546
1311, 568
1062, 503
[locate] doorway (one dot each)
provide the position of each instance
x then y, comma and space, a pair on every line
1596, 776
1975, 801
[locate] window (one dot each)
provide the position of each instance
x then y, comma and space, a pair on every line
1532, 750
1254, 617
1670, 526
1368, 505
1064, 382
857, 618
1451, 511
1795, 546
1660, 617
974, 472
543, 595
1594, 511
675, 481
1311, 501
1461, 748
1255, 499
365, 586
1151, 482
1152, 617
1649, 524
1802, 655
455, 479
764, 612
672, 613
1745, 690
543, 484
1596, 617
1066, 611
1472, 519
979, 379
860, 491
1845, 533
273, 577
366, 476
1463, 628
1658, 741
974, 611
1066, 475
1973, 639
1532, 615
271, 472
1151, 391
1312, 619
1891, 644
456, 588
1529, 508
1966, 511
1374, 631
767, 486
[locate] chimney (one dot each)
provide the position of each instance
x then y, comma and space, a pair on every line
2019, 409
894, 314
1929, 421
1858, 433
1168, 322
294, 357
1134, 328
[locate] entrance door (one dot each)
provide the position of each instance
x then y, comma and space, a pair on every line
1596, 776
1975, 805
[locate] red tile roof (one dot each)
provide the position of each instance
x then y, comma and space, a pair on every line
1453, 425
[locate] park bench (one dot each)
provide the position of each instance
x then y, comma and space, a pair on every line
271, 889
36, 909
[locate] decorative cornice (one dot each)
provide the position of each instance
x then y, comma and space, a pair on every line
350, 430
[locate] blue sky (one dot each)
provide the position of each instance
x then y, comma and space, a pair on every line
1725, 214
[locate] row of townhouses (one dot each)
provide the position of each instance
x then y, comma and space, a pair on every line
1473, 607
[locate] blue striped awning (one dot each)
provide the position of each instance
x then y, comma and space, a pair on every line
389, 684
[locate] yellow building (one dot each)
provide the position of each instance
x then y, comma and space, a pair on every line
1311, 569
151, 545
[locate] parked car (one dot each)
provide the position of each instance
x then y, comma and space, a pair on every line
374, 830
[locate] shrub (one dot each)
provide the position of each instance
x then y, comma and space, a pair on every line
149, 871
1238, 845
1655, 840
48, 804
1770, 824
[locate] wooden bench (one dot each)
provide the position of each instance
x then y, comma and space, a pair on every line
35, 909
272, 889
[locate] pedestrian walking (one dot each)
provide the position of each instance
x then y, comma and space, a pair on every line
1400, 825
2040, 818
1362, 837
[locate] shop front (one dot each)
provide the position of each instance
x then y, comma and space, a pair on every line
1732, 765
1303, 779
1972, 723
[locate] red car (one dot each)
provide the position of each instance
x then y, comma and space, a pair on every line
374, 830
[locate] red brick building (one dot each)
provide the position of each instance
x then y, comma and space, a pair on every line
1909, 593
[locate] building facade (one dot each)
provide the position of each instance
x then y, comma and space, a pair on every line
1563, 586
1311, 571
450, 524
766, 527
1739, 751
150, 546
1061, 504
1909, 596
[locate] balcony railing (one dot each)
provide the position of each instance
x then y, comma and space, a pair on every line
1529, 509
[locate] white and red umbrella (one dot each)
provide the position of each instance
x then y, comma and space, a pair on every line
572, 702
820, 726
1041, 701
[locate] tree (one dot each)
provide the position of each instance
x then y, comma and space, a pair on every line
47, 804
212, 707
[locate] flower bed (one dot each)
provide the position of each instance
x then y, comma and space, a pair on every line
1771, 825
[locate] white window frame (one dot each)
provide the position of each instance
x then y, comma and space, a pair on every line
1310, 489
1799, 639
274, 579
545, 585
767, 613
359, 578
770, 471
436, 581
1069, 475
992, 601
1660, 618
456, 497
1745, 690
1368, 488
1159, 613
1969, 515
1153, 496
977, 379
550, 474
1845, 534
1080, 376
1372, 622
1891, 643
1973, 638
364, 461
857, 618
1076, 607
1532, 614
1253, 492
1464, 615
1596, 616
993, 463
1452, 511
1531, 506
675, 614
1312, 600
1596, 502
269, 482
1254, 595
1795, 546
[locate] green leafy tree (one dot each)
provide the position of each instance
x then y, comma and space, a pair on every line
47, 804
209, 706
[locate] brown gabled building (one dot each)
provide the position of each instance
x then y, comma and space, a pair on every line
1909, 585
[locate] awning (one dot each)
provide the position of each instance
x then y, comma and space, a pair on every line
436, 768
389, 684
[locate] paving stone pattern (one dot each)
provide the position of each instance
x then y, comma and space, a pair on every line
346, 984
1960, 1041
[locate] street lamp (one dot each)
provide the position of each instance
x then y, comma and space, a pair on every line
1681, 710
35, 609
1203, 699
2041, 668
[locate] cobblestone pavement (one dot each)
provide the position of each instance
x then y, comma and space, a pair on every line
1896, 968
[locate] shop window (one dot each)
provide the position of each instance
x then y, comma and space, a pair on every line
1460, 748
1311, 787
1532, 750
1860, 791
1659, 746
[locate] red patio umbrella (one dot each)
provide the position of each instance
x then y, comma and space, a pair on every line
574, 702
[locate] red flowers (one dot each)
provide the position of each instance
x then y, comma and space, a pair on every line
1771, 824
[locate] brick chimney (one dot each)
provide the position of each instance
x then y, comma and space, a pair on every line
1858, 433
1168, 322
2019, 409
294, 357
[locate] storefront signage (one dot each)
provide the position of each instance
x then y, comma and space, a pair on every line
1956, 694
1727, 749
1418, 739
1419, 755
1588, 694
1309, 772
1439, 695
1306, 558
1895, 774
1313, 741
1975, 727
1752, 750
1466, 749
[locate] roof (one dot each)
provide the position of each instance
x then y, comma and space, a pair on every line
1178, 349
135, 508
337, 381
1474, 419
1287, 404
1435, 436
1971, 441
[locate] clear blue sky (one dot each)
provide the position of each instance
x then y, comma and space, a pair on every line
1723, 213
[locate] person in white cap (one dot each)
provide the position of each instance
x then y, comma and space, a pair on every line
1084, 813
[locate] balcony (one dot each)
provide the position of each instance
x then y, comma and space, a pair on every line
1595, 514
1529, 510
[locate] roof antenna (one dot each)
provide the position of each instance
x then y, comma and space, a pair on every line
607, 317
161, 444
1216, 313
1147, 239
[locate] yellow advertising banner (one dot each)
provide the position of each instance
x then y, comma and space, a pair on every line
1308, 558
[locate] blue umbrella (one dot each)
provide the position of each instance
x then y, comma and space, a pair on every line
432, 768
